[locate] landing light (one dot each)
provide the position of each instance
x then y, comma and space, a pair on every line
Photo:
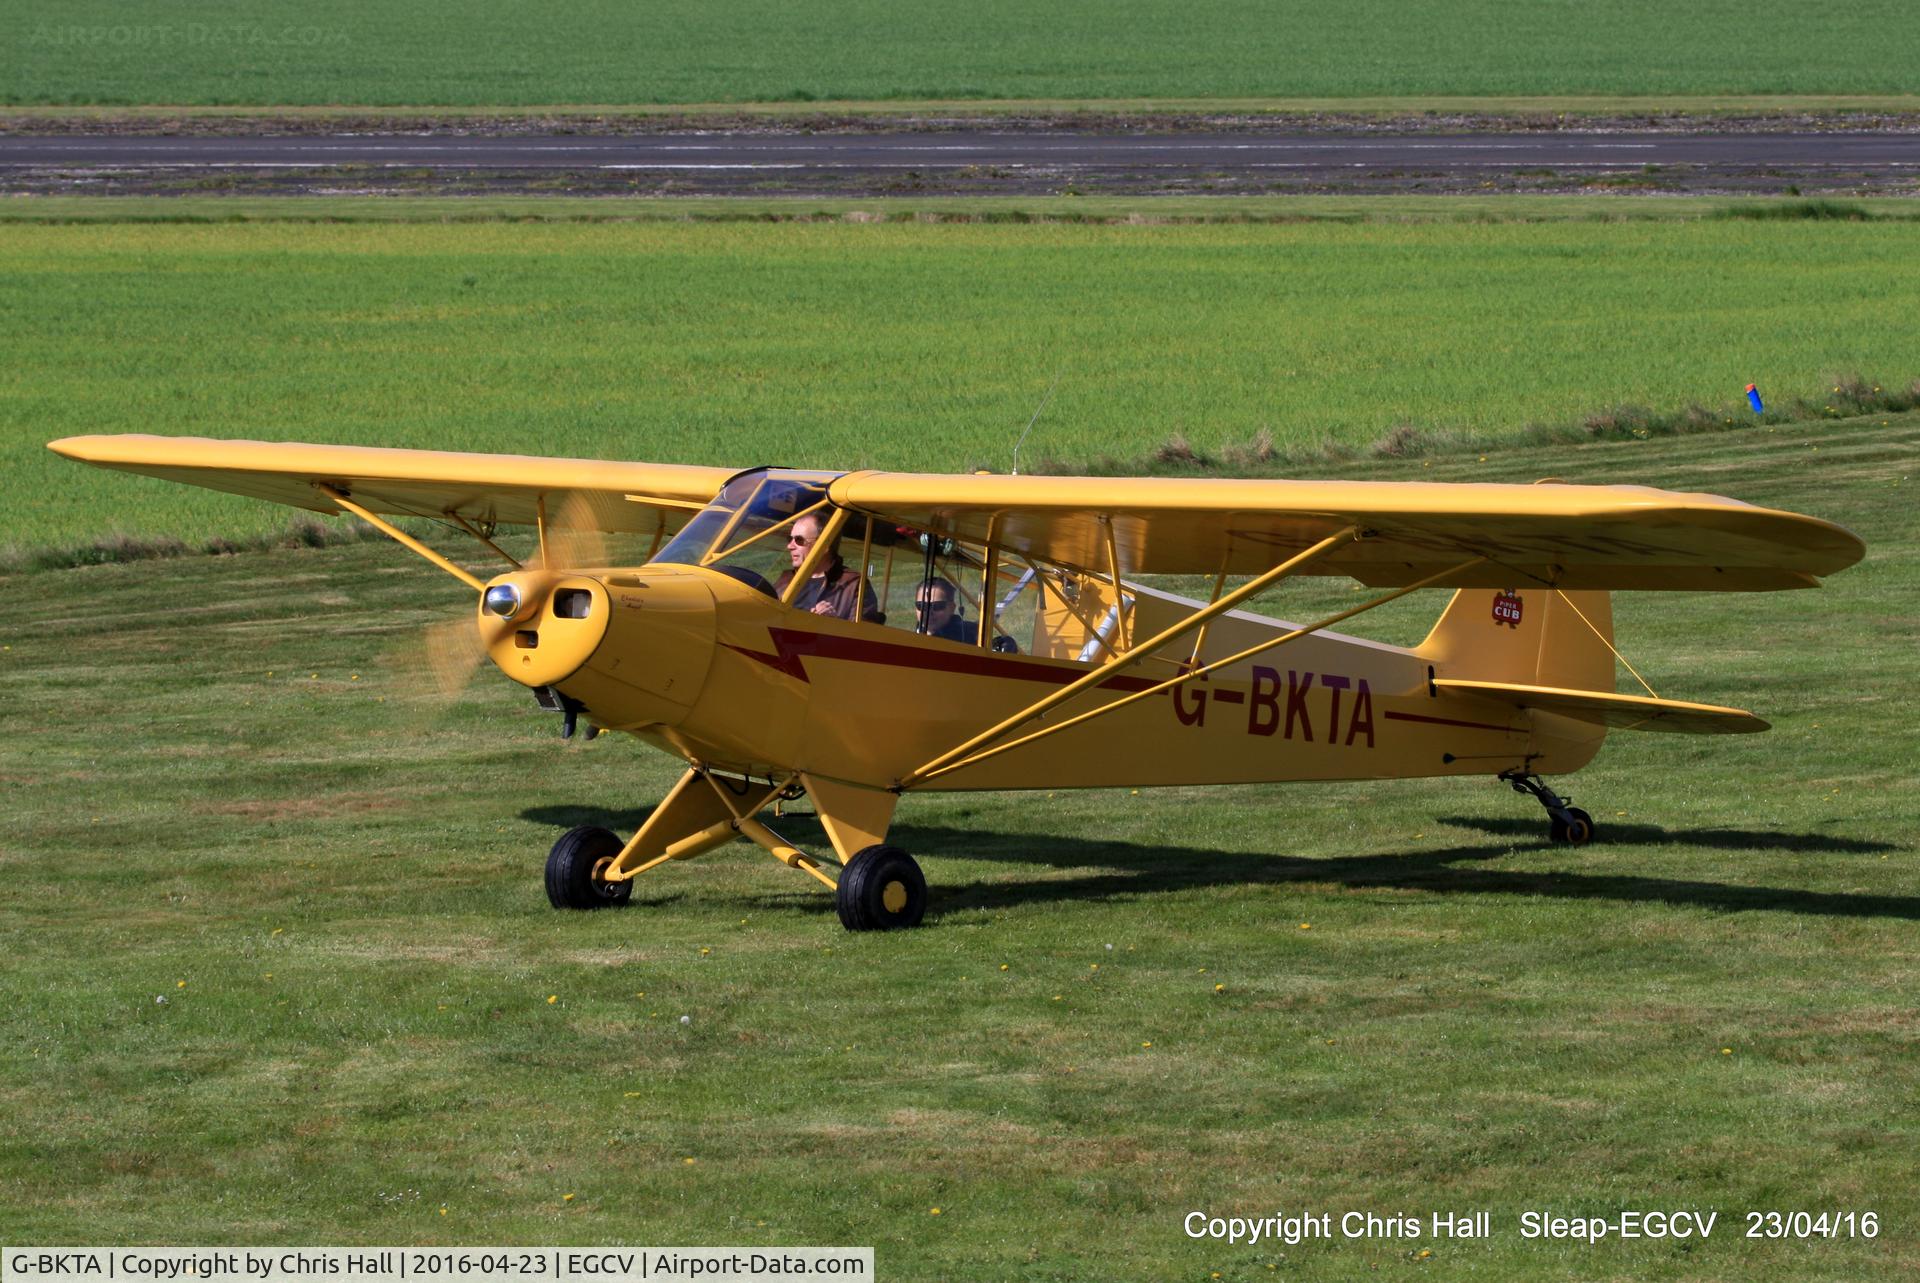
502, 600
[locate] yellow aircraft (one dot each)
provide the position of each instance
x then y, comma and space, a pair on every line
858, 636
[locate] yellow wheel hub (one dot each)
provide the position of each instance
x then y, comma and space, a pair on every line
894, 896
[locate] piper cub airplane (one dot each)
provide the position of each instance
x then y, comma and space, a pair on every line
858, 636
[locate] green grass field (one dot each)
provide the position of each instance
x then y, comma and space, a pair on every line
603, 52
921, 346
224, 791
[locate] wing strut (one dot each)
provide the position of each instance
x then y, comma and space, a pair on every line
401, 537
944, 762
925, 774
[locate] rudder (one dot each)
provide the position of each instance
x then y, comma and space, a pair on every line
1535, 637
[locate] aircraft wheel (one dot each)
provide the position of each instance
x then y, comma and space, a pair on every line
881, 889
1572, 827
574, 867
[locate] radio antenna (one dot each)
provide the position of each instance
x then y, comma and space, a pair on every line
1036, 417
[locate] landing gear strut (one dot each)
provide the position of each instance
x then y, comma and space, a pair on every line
1568, 825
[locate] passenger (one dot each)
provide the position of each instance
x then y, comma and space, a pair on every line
833, 588
937, 604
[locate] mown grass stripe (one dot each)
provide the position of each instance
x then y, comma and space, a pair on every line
908, 345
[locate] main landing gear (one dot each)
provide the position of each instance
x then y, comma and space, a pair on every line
879, 888
577, 867
1568, 825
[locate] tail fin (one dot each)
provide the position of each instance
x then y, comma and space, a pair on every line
1535, 636
1530, 637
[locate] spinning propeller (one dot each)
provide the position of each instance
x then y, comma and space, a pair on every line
455, 648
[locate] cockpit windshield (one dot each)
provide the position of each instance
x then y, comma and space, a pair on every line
745, 532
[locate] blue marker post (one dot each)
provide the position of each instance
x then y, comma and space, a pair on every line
1753, 399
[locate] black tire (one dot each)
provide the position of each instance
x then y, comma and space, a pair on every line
1571, 827
573, 868
881, 889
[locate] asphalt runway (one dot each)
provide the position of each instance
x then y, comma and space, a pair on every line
870, 153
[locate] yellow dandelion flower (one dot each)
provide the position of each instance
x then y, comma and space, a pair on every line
1057, 997
1146, 1044
1003, 966
1726, 1051
1306, 926
687, 1161
566, 1198
181, 985
1219, 988
552, 998
705, 952
1093, 966
933, 1211
443, 1211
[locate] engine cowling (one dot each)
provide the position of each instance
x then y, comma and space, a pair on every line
632, 648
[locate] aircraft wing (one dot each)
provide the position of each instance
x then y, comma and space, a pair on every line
483, 488
1574, 537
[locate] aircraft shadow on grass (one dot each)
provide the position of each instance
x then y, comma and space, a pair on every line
1113, 870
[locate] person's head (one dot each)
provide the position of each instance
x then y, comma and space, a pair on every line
935, 601
801, 538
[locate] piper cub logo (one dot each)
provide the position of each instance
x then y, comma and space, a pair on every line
1506, 609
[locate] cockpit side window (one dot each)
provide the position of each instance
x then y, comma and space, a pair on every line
937, 587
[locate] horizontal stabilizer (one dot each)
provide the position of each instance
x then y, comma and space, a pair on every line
1621, 712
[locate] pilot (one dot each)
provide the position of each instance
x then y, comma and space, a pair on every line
937, 604
834, 588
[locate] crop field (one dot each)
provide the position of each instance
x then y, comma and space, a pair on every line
605, 52
280, 968
922, 346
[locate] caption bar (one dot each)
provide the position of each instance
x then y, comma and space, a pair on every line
430, 1264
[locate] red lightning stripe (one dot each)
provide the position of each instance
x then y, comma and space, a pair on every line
793, 645
1447, 721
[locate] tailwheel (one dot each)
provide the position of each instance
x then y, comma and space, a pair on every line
1572, 826
1566, 825
881, 889
576, 867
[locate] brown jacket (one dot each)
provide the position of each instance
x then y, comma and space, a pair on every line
849, 594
